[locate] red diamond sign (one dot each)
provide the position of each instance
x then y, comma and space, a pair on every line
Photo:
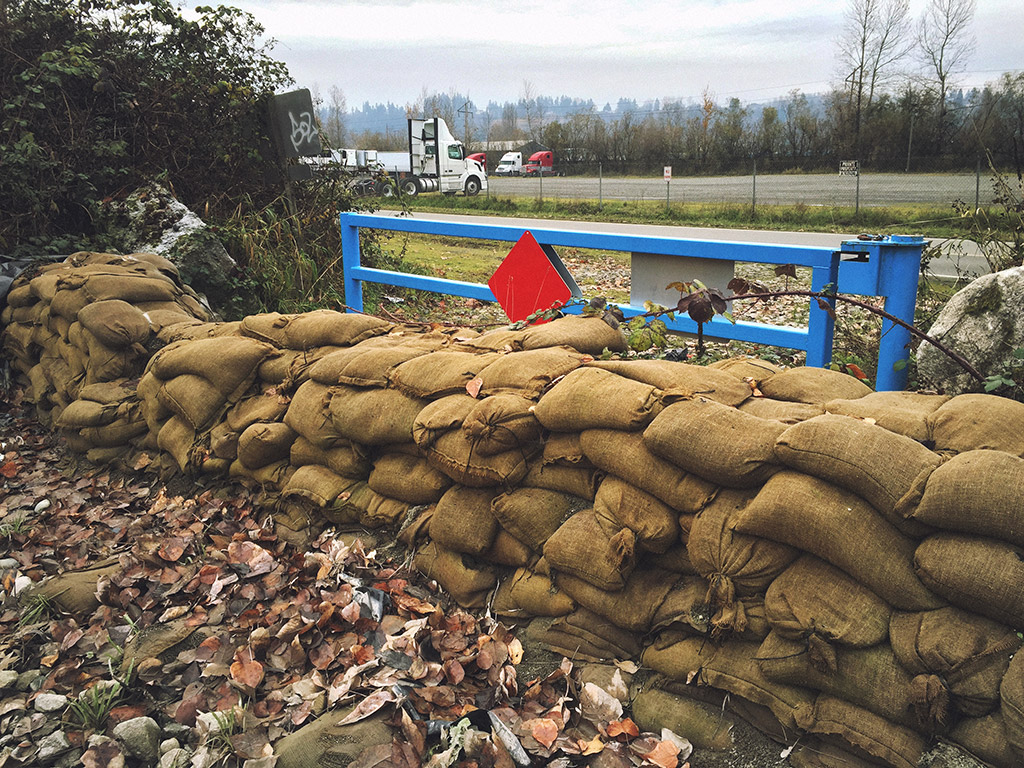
531, 278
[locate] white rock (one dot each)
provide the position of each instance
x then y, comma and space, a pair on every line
175, 758
50, 702
43, 505
8, 678
140, 738
51, 747
168, 744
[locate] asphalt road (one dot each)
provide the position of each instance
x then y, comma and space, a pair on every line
875, 189
944, 267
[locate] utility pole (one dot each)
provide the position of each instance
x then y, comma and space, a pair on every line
464, 111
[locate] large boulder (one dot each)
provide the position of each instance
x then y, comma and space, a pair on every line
984, 323
151, 220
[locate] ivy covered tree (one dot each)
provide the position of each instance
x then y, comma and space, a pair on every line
100, 95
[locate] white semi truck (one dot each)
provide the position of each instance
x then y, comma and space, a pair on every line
436, 161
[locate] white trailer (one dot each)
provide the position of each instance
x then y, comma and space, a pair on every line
511, 164
435, 161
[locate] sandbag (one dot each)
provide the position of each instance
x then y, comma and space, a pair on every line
453, 454
117, 324
858, 456
407, 478
812, 599
226, 362
462, 521
705, 726
812, 385
309, 415
625, 455
563, 448
526, 594
441, 373
374, 416
905, 413
864, 731
969, 654
267, 406
581, 548
591, 398
177, 438
501, 423
509, 551
86, 413
986, 739
1011, 695
979, 575
319, 328
620, 505
633, 607
468, 583
583, 635
580, 481
440, 417
529, 373
287, 368
590, 335
116, 434
224, 442
193, 398
976, 492
716, 442
746, 367
261, 444
132, 288
868, 677
735, 564
531, 514
366, 364
842, 529
730, 667
681, 379
975, 422
316, 484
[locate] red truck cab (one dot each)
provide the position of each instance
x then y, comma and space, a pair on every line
540, 161
480, 157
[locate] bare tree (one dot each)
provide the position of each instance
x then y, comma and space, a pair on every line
874, 39
337, 109
534, 123
945, 44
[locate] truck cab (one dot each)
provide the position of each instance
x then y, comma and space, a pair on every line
511, 164
540, 162
480, 157
436, 153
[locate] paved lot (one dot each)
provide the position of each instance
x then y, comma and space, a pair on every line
789, 189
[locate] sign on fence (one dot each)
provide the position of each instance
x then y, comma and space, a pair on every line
668, 173
849, 167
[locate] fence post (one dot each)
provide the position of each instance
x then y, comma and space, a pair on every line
856, 206
350, 261
977, 187
540, 176
600, 186
753, 203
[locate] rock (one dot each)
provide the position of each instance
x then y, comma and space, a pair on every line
29, 679
51, 747
50, 702
152, 220
140, 738
168, 744
8, 563
8, 679
104, 751
179, 731
983, 322
73, 758
175, 758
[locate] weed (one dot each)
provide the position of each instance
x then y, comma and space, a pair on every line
38, 607
13, 527
92, 707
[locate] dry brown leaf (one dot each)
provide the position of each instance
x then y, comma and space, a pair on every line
473, 387
544, 731
368, 706
664, 755
247, 672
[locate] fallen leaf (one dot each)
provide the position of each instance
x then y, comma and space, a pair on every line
368, 706
624, 727
473, 387
247, 672
544, 731
591, 747
665, 755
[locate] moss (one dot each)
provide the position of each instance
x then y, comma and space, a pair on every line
987, 299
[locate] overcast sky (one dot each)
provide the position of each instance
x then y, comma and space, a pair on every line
391, 50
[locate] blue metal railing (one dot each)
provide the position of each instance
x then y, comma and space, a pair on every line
865, 273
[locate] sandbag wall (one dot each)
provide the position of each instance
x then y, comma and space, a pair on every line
845, 565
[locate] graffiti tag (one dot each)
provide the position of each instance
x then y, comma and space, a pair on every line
303, 130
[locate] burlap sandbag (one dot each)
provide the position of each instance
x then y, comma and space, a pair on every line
973, 422
20, 294
968, 653
625, 455
361, 503
581, 548
842, 529
730, 667
633, 607
581, 481
107, 364
676, 559
681, 378
73, 591
705, 726
583, 635
868, 677
407, 478
468, 583
746, 367
226, 362
192, 398
858, 456
863, 731
735, 564
224, 441
509, 551
719, 443
118, 433
975, 492
117, 324
86, 413
531, 514
683, 612
591, 398
563, 448
309, 415
324, 743
526, 594
986, 739
1011, 694
501, 423
529, 373
287, 368
813, 385
374, 416
905, 413
812, 599
316, 484
262, 444
620, 505
440, 417
365, 365
177, 438
132, 288
67, 302
319, 328
153, 411
115, 392
979, 575
462, 520
453, 454
265, 406
445, 372
590, 335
